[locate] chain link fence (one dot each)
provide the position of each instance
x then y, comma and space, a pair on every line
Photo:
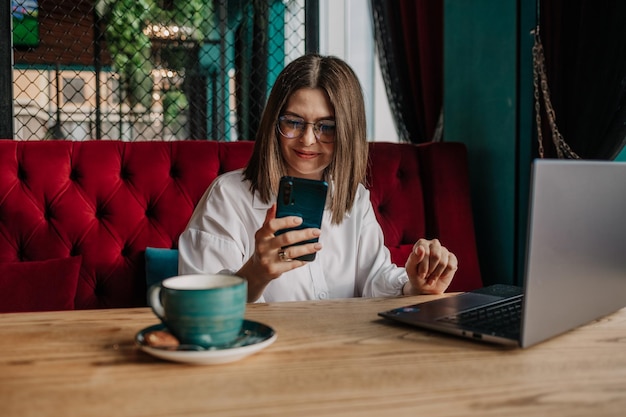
149, 69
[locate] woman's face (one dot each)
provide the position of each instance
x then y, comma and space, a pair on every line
305, 156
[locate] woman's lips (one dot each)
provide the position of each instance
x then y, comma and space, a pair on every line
306, 155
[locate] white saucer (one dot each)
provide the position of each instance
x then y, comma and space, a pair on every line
253, 337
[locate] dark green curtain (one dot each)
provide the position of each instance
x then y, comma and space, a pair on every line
585, 53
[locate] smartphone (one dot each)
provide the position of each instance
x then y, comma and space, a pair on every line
303, 198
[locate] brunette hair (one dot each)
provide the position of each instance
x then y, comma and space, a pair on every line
349, 165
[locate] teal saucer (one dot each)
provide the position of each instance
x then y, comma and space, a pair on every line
253, 337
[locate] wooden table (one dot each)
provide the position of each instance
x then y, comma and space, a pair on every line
331, 358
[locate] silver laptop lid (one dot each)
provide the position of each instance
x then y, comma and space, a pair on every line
576, 256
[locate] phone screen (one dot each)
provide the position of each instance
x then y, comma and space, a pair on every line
303, 198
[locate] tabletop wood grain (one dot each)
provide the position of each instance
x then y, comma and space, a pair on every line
331, 358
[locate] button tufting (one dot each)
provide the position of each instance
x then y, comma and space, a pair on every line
150, 211
126, 251
99, 289
48, 213
74, 175
100, 212
124, 173
174, 171
21, 253
21, 173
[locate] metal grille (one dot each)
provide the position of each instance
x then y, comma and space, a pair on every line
149, 69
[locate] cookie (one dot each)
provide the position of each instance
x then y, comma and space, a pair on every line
160, 338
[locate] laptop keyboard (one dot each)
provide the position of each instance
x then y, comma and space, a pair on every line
502, 319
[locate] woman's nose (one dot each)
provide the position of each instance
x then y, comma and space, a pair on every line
308, 137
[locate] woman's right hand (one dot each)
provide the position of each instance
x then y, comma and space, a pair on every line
269, 260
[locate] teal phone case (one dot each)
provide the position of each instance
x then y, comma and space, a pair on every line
303, 198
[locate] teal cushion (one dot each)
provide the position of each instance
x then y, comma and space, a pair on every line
160, 264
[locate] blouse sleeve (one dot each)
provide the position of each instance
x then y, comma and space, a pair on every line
217, 236
377, 276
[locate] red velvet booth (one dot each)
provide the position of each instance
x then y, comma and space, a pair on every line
76, 217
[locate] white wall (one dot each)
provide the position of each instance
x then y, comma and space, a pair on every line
346, 31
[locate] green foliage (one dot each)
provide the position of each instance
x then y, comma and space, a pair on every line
195, 14
131, 48
174, 104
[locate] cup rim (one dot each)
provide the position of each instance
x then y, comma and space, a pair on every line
235, 281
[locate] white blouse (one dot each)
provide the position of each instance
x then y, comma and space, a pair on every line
353, 262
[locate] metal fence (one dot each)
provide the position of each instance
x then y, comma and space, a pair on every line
150, 69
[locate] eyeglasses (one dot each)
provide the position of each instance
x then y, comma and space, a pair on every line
293, 128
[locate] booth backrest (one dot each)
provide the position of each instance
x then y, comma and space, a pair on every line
106, 201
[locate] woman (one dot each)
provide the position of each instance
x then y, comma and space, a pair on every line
313, 126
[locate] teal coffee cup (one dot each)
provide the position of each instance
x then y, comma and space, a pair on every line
203, 309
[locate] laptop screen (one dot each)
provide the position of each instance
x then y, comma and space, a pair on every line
575, 260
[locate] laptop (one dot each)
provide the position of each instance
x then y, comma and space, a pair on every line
575, 270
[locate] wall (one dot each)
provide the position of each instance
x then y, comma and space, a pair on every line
484, 73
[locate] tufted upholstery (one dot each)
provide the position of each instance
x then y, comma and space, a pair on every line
109, 200
423, 191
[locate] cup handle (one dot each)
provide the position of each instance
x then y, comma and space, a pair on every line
154, 299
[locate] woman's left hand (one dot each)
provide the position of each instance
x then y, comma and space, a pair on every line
430, 268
